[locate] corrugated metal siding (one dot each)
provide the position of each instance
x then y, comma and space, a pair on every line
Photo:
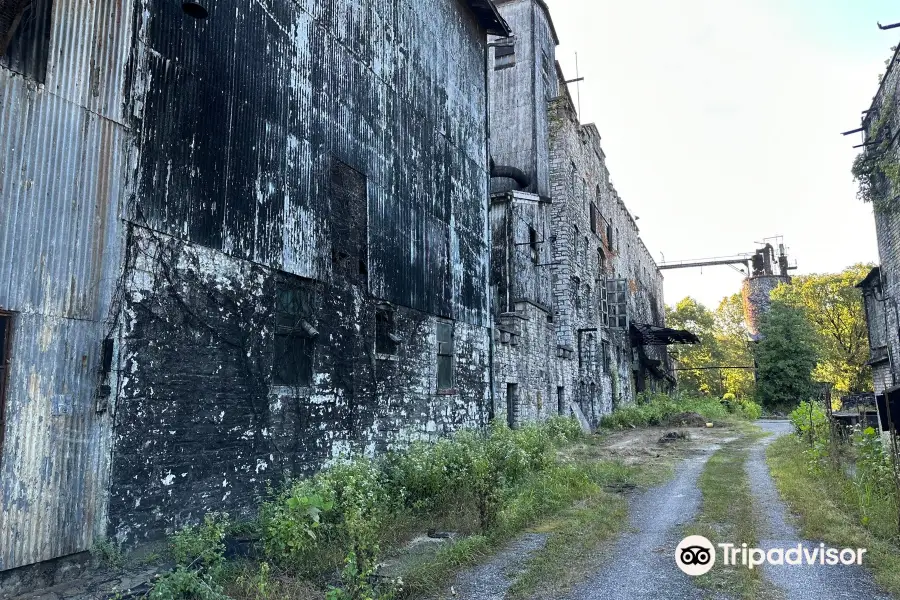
362, 81
53, 471
62, 166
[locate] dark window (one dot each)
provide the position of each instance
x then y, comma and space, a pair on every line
5, 343
533, 244
512, 408
609, 237
504, 56
386, 340
576, 290
601, 261
444, 356
295, 334
25, 38
593, 218
605, 350
561, 401
348, 221
617, 294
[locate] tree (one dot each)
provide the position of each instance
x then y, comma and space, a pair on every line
786, 356
734, 347
834, 307
696, 318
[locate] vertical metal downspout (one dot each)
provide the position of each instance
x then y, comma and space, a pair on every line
487, 163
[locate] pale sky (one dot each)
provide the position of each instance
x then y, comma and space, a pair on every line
721, 123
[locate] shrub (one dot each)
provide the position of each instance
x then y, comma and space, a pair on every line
202, 545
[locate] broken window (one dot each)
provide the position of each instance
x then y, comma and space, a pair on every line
5, 344
25, 37
617, 296
348, 221
533, 244
295, 333
386, 339
444, 355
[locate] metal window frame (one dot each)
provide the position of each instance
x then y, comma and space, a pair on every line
5, 359
446, 348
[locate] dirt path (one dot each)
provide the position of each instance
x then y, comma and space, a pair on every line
777, 531
641, 564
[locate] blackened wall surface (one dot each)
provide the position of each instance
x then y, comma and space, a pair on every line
200, 423
330, 145
243, 113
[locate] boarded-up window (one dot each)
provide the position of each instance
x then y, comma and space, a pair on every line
25, 37
295, 333
617, 294
348, 221
504, 56
386, 339
444, 356
5, 343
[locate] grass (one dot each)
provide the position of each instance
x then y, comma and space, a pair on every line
585, 507
727, 515
830, 509
575, 533
661, 410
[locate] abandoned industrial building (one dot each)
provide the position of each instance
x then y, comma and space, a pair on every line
880, 287
237, 247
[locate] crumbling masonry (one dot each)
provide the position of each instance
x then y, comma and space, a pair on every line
235, 249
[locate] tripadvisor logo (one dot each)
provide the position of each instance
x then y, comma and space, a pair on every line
696, 555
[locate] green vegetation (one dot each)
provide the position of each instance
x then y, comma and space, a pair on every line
723, 338
858, 511
575, 533
727, 515
876, 169
657, 410
786, 357
327, 534
833, 306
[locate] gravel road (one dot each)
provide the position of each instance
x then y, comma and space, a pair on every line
641, 564
777, 531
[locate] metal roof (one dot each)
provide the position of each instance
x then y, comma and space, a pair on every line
489, 17
654, 335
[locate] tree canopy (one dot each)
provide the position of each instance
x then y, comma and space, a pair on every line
833, 306
723, 343
786, 356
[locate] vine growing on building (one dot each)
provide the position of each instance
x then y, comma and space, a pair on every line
877, 169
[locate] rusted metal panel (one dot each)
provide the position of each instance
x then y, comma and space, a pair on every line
63, 151
52, 473
60, 171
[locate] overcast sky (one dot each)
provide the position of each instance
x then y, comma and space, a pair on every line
721, 120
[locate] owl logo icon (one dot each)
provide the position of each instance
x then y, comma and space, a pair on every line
695, 555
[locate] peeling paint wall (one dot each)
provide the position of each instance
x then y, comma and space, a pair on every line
62, 164
243, 121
